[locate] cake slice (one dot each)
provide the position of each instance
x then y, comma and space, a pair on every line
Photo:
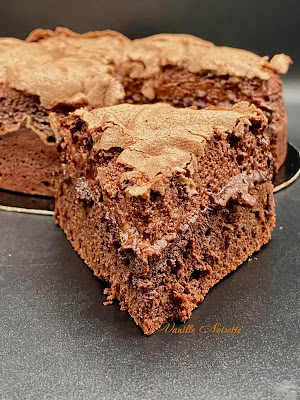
61, 71
162, 202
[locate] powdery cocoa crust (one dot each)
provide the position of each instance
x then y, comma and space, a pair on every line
162, 250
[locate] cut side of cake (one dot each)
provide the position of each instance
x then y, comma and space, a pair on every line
184, 71
162, 203
62, 71
28, 157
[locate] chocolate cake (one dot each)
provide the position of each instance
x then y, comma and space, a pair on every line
162, 202
61, 71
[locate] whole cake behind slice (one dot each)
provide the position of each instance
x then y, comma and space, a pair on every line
187, 71
161, 202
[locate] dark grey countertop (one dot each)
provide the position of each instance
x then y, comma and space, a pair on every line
59, 342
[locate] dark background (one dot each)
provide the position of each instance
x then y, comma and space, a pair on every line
263, 26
